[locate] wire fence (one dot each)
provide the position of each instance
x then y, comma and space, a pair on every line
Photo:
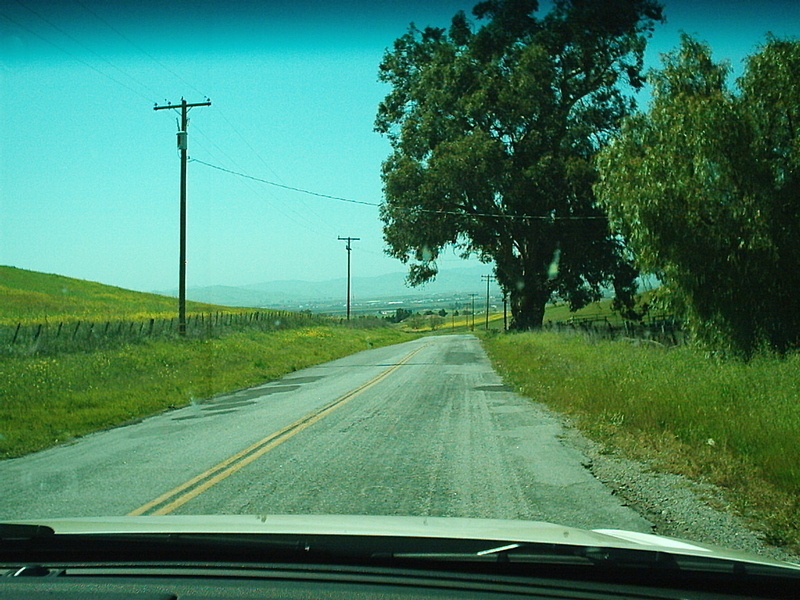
85, 335
666, 330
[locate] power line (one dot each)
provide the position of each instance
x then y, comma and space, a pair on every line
305, 206
180, 78
285, 187
186, 83
92, 52
285, 210
423, 210
244, 139
230, 124
140, 49
144, 86
71, 55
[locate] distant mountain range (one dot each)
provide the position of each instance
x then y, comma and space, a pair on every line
296, 294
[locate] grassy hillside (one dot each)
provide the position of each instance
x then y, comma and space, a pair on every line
51, 397
599, 310
29, 296
595, 310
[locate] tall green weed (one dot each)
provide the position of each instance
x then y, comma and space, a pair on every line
732, 422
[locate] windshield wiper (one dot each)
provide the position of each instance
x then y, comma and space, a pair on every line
603, 558
591, 554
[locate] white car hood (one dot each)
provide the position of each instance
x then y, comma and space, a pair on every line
504, 531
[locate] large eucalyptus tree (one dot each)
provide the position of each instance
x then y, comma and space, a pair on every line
494, 130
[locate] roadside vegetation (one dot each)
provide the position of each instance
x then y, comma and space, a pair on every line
32, 297
46, 400
460, 321
704, 186
730, 422
43, 314
515, 138
97, 374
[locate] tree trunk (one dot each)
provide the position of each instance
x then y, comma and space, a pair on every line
526, 280
527, 307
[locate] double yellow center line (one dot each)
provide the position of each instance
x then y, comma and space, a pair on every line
195, 486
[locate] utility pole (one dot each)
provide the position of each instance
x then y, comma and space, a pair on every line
348, 248
488, 278
183, 147
472, 312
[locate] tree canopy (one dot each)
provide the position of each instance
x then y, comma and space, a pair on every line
494, 130
705, 188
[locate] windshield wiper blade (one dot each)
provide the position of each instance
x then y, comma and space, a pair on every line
23, 531
601, 557
499, 550
545, 553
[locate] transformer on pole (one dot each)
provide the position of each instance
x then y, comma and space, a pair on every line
183, 145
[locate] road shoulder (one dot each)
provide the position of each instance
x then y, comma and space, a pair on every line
676, 505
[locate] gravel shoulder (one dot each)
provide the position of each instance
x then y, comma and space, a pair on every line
675, 505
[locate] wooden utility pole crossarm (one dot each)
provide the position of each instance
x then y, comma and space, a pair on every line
183, 104
183, 147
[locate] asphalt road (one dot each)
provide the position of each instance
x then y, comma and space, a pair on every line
421, 428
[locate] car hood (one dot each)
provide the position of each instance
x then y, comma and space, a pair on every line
499, 530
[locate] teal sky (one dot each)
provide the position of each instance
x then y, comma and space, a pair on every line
89, 172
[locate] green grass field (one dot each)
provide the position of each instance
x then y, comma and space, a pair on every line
47, 399
32, 297
732, 423
595, 310
52, 399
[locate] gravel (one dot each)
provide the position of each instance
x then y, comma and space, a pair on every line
675, 505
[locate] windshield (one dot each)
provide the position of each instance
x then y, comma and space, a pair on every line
511, 260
